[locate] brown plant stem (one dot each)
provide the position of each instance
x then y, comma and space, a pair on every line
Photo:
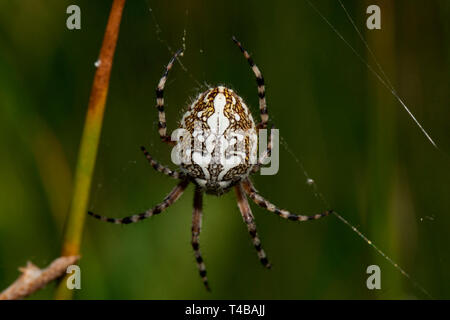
89, 142
33, 278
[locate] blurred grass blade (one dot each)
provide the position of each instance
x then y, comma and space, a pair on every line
89, 142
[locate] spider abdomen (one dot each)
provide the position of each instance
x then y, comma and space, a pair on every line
218, 140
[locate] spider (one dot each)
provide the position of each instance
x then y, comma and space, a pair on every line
215, 118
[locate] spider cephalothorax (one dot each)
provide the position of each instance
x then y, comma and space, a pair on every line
216, 147
218, 141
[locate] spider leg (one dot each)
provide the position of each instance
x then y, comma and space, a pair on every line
261, 87
162, 126
249, 220
263, 203
196, 226
161, 168
170, 199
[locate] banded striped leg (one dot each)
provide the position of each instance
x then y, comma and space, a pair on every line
162, 126
249, 220
261, 87
196, 226
161, 168
263, 203
170, 199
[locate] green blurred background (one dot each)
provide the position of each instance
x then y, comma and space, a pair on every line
368, 158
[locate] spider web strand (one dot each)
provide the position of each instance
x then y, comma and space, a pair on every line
392, 262
321, 197
376, 74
